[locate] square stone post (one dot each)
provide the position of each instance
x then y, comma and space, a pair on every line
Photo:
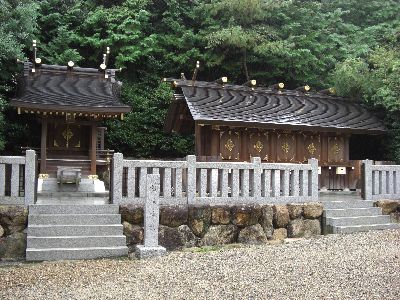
313, 185
116, 176
256, 193
366, 178
151, 219
191, 179
30, 177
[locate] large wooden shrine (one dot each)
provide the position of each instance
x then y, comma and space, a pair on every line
236, 123
71, 103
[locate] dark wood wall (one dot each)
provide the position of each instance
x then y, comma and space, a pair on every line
240, 144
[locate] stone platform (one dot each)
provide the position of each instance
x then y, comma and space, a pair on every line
86, 185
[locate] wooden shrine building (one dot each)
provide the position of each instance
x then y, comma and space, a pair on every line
235, 123
70, 102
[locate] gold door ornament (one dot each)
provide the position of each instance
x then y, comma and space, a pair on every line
258, 146
285, 148
311, 149
229, 145
67, 134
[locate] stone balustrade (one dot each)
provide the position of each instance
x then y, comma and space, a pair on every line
19, 187
380, 181
215, 183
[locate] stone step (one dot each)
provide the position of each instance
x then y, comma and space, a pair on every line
347, 204
74, 230
72, 201
73, 209
362, 220
75, 241
81, 219
352, 212
35, 254
72, 194
360, 228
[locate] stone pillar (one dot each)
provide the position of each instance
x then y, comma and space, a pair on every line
30, 177
314, 178
366, 177
151, 220
116, 178
256, 161
191, 179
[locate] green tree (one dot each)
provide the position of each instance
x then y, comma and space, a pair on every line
17, 29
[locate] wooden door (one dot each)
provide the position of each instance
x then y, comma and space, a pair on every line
68, 138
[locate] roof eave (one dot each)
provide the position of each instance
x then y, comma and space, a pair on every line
71, 108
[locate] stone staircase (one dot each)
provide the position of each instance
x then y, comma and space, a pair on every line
68, 229
348, 216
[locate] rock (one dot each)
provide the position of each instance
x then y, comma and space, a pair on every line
395, 217
266, 220
13, 246
173, 216
388, 206
252, 235
300, 228
313, 210
219, 235
176, 238
279, 234
134, 233
2, 232
131, 213
243, 216
199, 219
220, 215
13, 218
281, 216
295, 210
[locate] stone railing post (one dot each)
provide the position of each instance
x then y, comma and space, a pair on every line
191, 179
116, 175
366, 176
314, 178
151, 219
30, 177
256, 161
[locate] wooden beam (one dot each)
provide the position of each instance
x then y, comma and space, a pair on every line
197, 136
43, 147
93, 149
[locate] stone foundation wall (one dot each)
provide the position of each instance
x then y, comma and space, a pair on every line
390, 207
189, 226
13, 221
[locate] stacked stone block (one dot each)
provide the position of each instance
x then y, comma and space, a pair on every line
204, 225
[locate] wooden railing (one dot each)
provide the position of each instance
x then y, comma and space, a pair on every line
192, 182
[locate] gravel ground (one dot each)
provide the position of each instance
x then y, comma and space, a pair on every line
356, 266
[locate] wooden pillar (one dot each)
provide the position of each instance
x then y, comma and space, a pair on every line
198, 140
215, 142
93, 149
43, 147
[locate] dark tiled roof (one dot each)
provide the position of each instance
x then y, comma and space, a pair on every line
82, 89
231, 104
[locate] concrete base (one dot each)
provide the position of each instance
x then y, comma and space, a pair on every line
147, 252
86, 185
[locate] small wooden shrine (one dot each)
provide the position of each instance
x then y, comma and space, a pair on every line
235, 123
70, 103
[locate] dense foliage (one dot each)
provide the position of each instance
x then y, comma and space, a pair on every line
351, 44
